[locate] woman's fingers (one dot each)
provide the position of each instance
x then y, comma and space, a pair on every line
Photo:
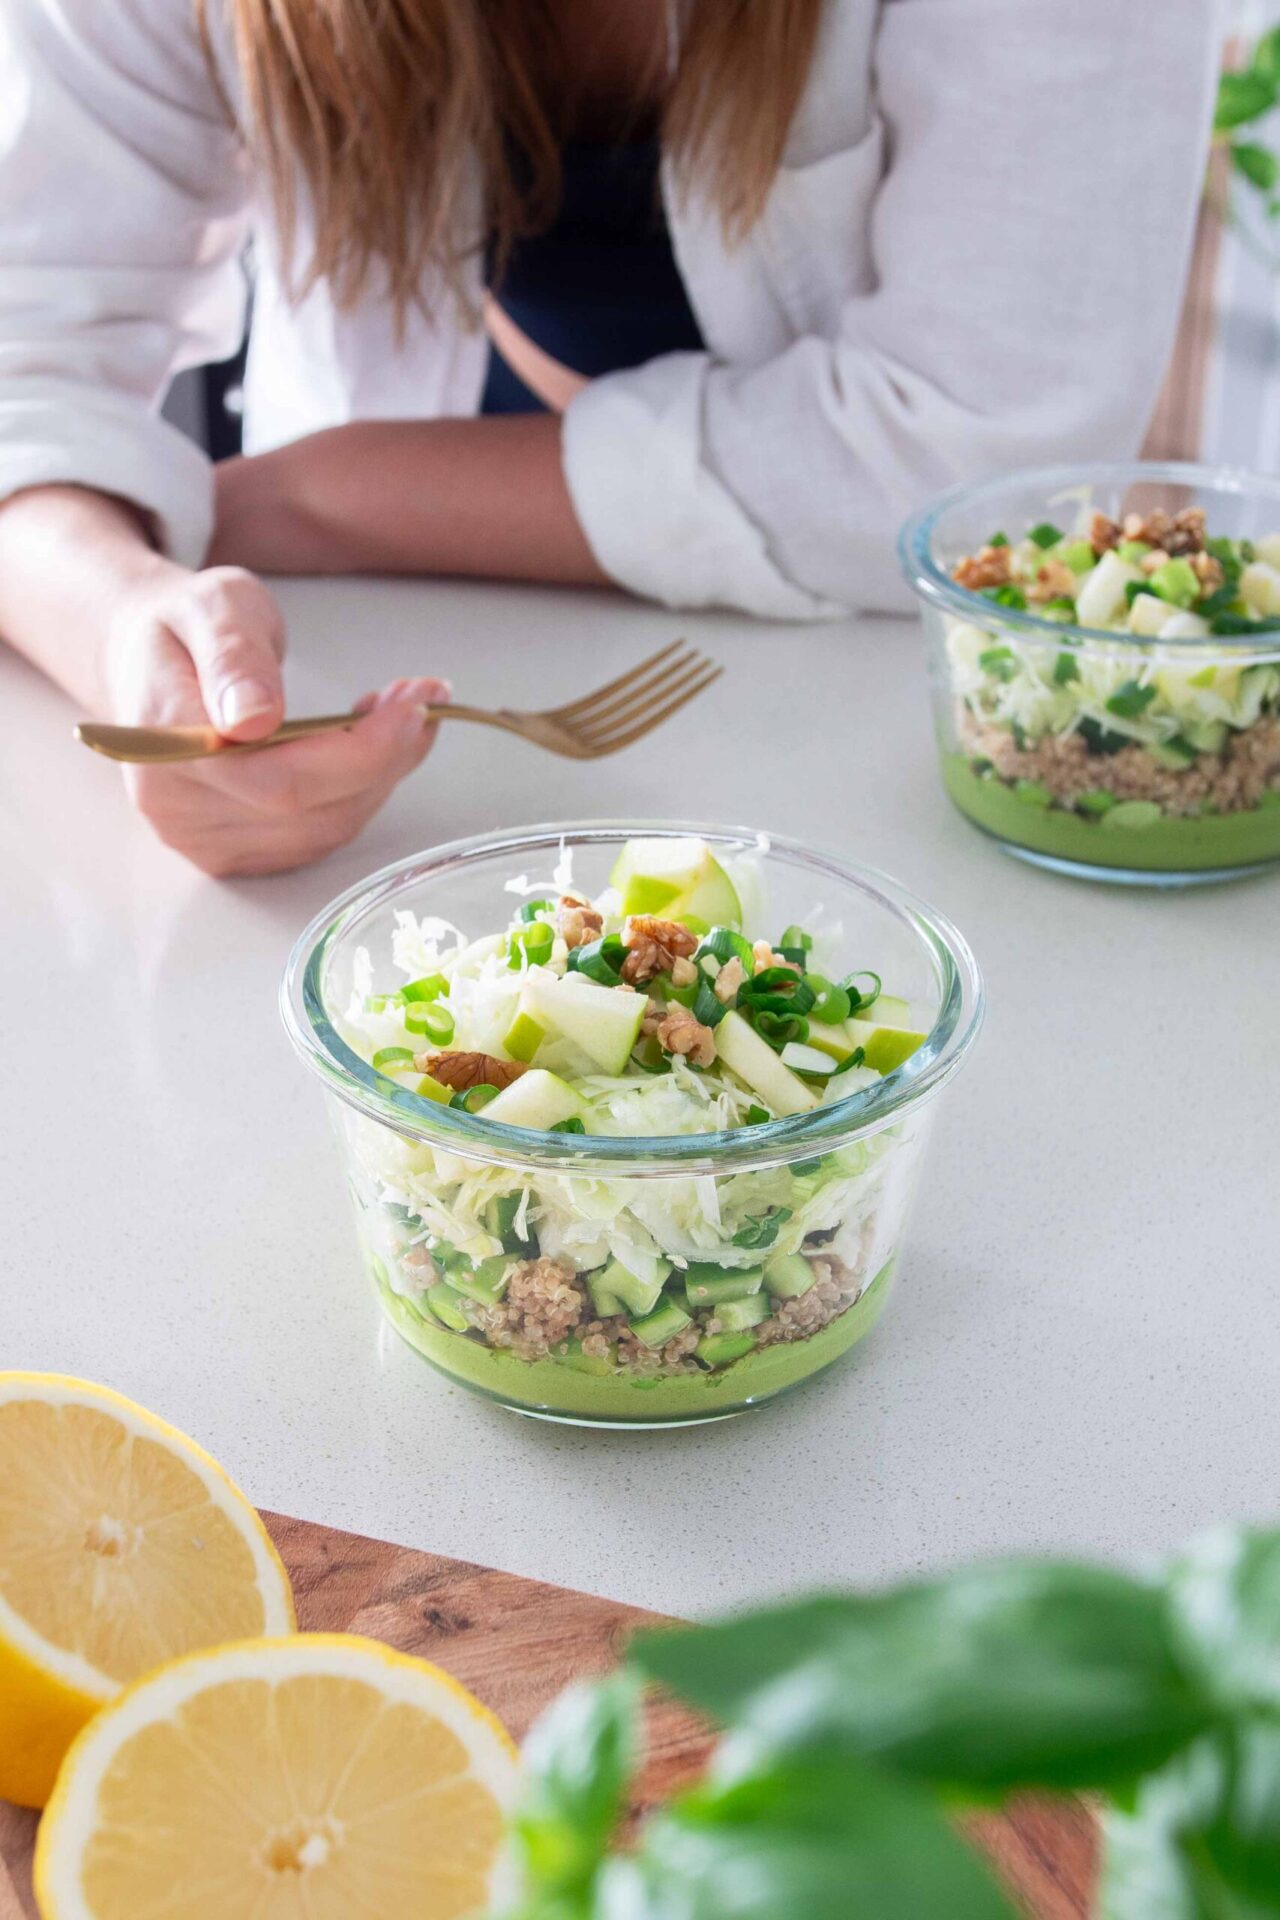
234, 632
385, 744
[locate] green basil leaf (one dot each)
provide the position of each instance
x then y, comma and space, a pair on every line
808, 1843
761, 1229
1224, 1601
576, 1768
1202, 1841
1241, 97
1001, 1676
1258, 164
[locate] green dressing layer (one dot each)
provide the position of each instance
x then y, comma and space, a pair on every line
557, 1387
1221, 840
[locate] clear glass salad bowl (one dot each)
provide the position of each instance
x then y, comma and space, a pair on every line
831, 1186
1092, 750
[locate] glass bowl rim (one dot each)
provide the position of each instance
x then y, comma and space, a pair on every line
931, 582
772, 1143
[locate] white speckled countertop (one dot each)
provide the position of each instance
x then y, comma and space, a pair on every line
1084, 1348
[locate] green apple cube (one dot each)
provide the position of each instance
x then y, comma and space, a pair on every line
676, 880
754, 1060
537, 1099
830, 1040
603, 1021
886, 1010
884, 1047
523, 1037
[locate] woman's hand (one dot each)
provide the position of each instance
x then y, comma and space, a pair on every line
188, 648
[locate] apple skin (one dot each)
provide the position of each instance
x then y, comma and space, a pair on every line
676, 880
538, 1099
754, 1060
603, 1021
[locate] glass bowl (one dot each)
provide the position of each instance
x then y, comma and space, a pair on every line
522, 1216
1093, 752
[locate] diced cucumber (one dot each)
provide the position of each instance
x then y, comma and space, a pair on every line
599, 1364
1176, 582
788, 1275
1098, 801
1077, 554
709, 1286
446, 1304
722, 1349
735, 1316
1033, 793
1174, 754
484, 1284
634, 1295
1132, 815
655, 1329
500, 1216
606, 1304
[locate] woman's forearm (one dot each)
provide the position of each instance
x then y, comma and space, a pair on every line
67, 557
479, 497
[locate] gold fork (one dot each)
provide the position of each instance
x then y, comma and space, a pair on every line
614, 716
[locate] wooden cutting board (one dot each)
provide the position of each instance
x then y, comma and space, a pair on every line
516, 1643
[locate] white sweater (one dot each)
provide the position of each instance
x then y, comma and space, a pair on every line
970, 259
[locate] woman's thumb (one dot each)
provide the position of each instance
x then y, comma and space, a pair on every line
233, 630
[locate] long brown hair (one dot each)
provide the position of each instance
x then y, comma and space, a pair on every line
387, 111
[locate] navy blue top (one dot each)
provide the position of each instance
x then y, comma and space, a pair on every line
599, 289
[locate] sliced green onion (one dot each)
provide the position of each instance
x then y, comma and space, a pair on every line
1132, 588
725, 944
795, 940
433, 1021
1241, 623
1006, 596
1061, 607
600, 960
832, 1004
392, 1059
430, 987
532, 908
1000, 662
530, 945
567, 1126
1100, 739
1046, 534
472, 1099
857, 997
1128, 701
779, 1028
757, 1116
380, 1002
998, 540
650, 1057
706, 1008
856, 1059
1065, 669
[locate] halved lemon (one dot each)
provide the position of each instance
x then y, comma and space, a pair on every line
122, 1545
321, 1777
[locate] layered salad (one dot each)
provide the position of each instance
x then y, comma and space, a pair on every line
659, 1009
1158, 749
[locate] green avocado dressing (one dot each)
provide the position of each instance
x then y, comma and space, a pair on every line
1215, 841
616, 1397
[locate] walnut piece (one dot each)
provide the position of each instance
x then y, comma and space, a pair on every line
1208, 571
764, 956
1103, 533
1053, 579
728, 980
577, 921
654, 946
989, 567
1187, 532
679, 1032
463, 1070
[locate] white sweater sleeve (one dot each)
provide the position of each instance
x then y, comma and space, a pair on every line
1029, 240
122, 211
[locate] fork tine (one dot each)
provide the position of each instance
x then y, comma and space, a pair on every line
612, 686
657, 718
620, 713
